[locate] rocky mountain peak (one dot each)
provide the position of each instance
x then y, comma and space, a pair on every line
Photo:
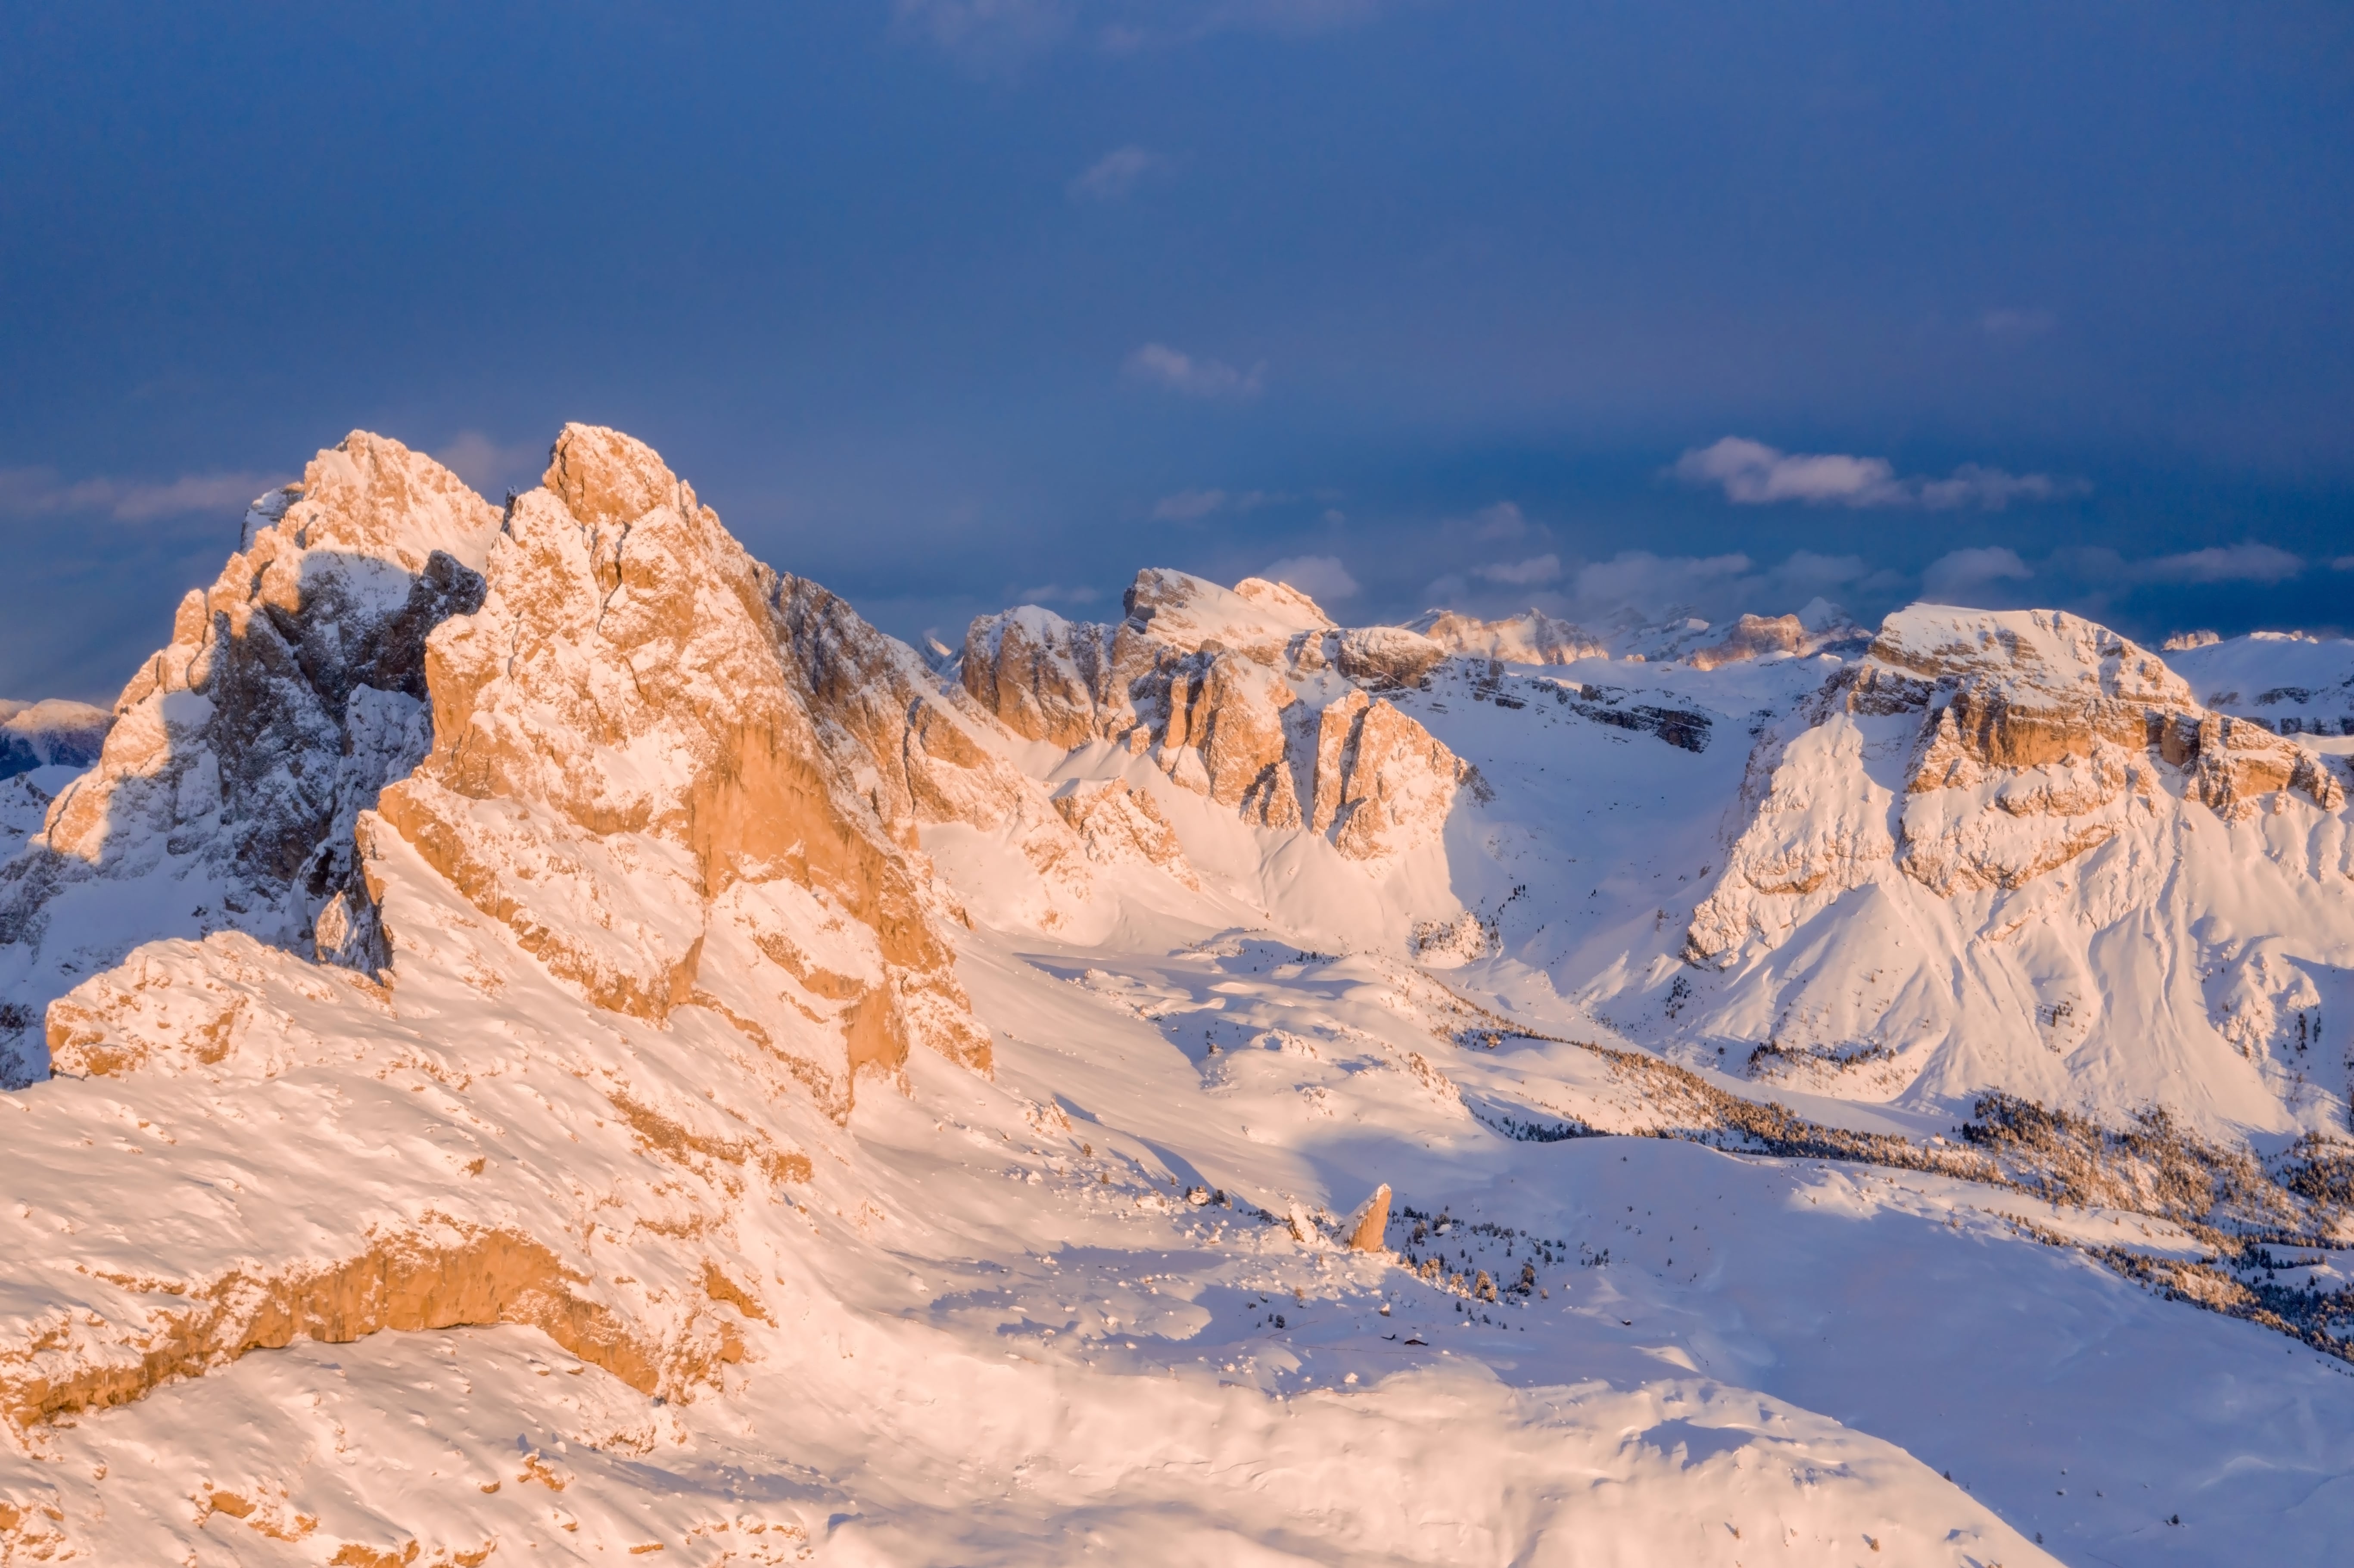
242, 751
636, 771
2029, 655
2007, 765
1533, 637
1183, 612
1760, 636
604, 477
1250, 696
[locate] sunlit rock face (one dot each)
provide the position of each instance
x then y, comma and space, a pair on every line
2027, 738
241, 753
643, 767
679, 1027
1535, 637
576, 799
2011, 849
1759, 637
1119, 822
1251, 696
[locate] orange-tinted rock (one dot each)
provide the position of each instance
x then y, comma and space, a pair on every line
642, 720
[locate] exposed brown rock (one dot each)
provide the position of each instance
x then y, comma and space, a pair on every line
640, 720
1119, 822
1756, 636
438, 1276
1397, 783
1386, 655
1535, 637
1336, 735
1043, 678
1229, 710
1218, 676
2040, 733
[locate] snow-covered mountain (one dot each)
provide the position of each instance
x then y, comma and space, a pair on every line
538, 1036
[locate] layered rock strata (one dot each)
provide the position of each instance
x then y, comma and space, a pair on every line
641, 810
646, 762
2027, 739
1249, 696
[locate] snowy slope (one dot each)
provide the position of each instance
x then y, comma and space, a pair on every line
2285, 681
53, 733
2080, 920
719, 1085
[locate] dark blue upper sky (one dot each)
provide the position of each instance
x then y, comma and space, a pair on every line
950, 303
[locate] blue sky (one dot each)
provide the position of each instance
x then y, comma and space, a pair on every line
950, 303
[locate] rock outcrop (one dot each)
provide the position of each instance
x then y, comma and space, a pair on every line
643, 766
1250, 696
1758, 636
2029, 737
53, 733
1535, 637
1047, 678
631, 818
1119, 823
241, 754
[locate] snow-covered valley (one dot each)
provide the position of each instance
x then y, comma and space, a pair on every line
540, 1039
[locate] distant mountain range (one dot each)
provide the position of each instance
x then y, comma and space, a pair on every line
1214, 1085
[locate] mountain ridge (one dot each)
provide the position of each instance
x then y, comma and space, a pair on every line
547, 931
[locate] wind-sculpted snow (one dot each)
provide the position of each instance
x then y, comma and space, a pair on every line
682, 1074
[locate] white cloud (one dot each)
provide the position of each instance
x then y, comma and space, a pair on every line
1114, 174
1649, 584
1752, 473
987, 37
39, 491
1179, 372
1638, 585
488, 466
1535, 572
1320, 577
1187, 504
1990, 488
2248, 563
1960, 573
1501, 521
2342, 564
996, 37
1056, 593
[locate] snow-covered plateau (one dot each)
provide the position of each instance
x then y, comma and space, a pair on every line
538, 1038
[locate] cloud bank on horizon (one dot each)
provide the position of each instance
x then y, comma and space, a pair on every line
1752, 473
958, 299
